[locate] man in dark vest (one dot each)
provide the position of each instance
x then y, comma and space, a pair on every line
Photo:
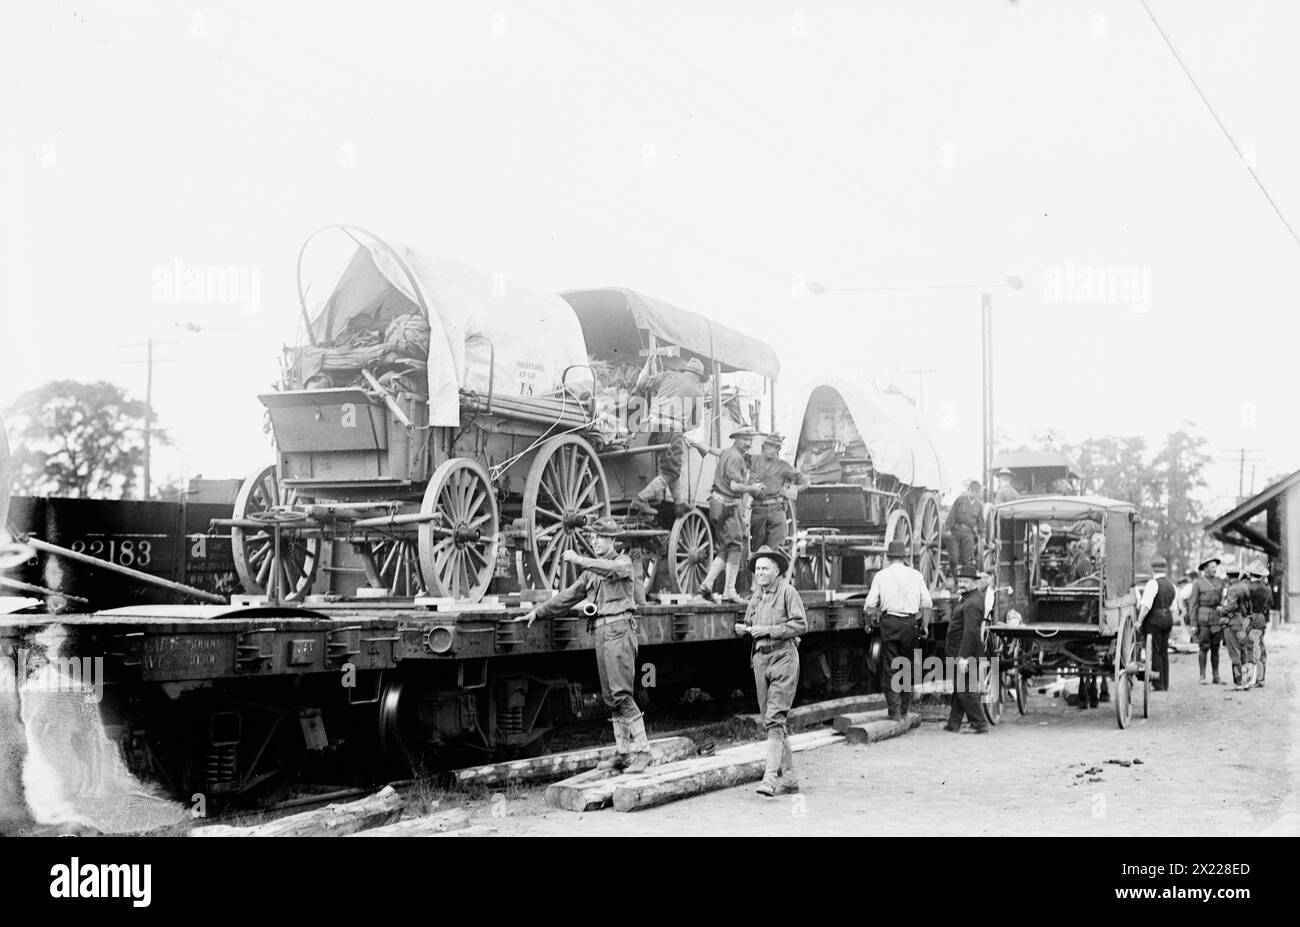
1156, 617
964, 524
965, 651
1205, 622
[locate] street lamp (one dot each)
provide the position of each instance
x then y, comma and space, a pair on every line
986, 343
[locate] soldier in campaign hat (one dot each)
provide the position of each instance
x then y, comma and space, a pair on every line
781, 482
1006, 492
774, 619
608, 582
676, 398
731, 482
964, 525
1261, 603
1204, 619
1235, 610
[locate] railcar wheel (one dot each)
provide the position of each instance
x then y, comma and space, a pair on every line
1124, 646
393, 564
690, 550
254, 550
458, 551
899, 528
927, 536
565, 490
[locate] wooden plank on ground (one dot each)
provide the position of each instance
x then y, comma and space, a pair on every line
873, 731
426, 826
330, 821
671, 785
560, 765
843, 722
806, 716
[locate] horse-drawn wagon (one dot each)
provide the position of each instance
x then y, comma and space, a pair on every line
454, 429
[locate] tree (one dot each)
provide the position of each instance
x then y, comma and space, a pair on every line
79, 440
1180, 468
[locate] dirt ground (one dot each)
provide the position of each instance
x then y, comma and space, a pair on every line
1213, 762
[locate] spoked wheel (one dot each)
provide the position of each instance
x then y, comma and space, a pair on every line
1124, 647
254, 550
690, 550
992, 697
927, 536
899, 528
564, 492
787, 546
1146, 679
875, 666
1021, 689
458, 551
815, 567
393, 564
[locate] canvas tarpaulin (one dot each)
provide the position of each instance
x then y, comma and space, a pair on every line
483, 328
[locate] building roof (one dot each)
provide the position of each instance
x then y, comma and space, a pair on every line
1231, 527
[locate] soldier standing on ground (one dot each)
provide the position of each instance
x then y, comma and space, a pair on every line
1205, 622
774, 620
1235, 611
900, 602
1156, 618
965, 646
607, 581
1261, 603
780, 482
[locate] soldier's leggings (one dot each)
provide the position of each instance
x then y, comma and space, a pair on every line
776, 677
1261, 658
1209, 640
1232, 637
616, 647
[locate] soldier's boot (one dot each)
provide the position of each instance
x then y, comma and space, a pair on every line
1248, 675
789, 781
1082, 695
705, 589
1105, 691
621, 741
1236, 677
955, 715
772, 772
640, 747
729, 593
904, 703
654, 493
1200, 661
1092, 693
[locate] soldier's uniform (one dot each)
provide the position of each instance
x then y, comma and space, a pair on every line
767, 526
775, 662
1261, 603
1206, 624
1236, 613
676, 399
610, 585
964, 642
727, 516
1006, 492
963, 524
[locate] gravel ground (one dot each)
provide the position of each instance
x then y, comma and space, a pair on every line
1213, 762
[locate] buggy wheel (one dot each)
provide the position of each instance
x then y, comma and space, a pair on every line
1124, 647
255, 551
458, 551
1146, 679
1021, 688
899, 528
690, 550
393, 563
991, 698
927, 536
565, 491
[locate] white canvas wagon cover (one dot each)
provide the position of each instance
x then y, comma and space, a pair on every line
483, 327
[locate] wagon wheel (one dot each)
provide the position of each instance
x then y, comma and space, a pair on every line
1146, 679
254, 549
564, 491
1021, 689
690, 550
927, 537
393, 563
899, 528
1124, 646
787, 546
458, 551
992, 698
875, 662
815, 567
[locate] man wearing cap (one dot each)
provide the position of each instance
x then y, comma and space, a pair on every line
900, 602
965, 646
607, 582
780, 482
731, 481
774, 620
965, 519
1261, 603
676, 399
1006, 492
1205, 622
1235, 611
1156, 617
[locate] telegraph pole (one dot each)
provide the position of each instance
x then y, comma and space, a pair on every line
986, 359
149, 361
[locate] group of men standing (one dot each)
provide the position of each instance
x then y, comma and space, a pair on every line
965, 523
1230, 609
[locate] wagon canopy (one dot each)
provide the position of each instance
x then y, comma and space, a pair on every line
1065, 508
613, 318
889, 426
1036, 460
483, 328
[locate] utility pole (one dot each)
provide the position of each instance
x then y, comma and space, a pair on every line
1241, 457
149, 361
986, 358
920, 383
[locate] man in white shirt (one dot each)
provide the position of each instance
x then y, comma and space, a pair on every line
901, 603
1156, 614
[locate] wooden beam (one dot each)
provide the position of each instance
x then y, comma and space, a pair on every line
438, 823
330, 821
858, 718
874, 731
561, 765
806, 716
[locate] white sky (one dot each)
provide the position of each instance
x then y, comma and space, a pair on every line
710, 159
